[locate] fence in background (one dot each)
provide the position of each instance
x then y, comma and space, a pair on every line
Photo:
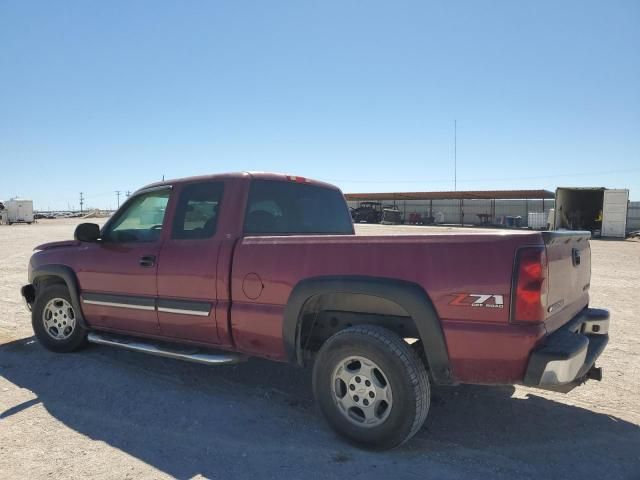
451, 211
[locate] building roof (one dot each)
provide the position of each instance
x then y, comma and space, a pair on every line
457, 195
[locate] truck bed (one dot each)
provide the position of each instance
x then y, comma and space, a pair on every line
484, 347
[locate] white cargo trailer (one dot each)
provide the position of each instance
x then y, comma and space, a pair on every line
600, 210
19, 211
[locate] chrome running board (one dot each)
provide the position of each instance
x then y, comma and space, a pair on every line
179, 352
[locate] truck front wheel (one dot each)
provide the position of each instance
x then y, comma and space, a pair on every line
55, 322
371, 386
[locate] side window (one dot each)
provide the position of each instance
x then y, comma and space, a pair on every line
140, 220
197, 211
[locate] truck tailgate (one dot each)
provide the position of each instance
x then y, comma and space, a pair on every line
569, 274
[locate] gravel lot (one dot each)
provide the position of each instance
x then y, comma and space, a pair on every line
107, 413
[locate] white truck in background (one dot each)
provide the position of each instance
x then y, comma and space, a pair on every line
602, 210
17, 210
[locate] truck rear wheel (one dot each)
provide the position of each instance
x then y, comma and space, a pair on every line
55, 322
371, 386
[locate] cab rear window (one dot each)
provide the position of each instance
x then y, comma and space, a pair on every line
289, 208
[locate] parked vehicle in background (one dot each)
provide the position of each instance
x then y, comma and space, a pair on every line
391, 215
218, 268
367, 212
19, 211
416, 218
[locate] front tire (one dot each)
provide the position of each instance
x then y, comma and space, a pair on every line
371, 387
55, 322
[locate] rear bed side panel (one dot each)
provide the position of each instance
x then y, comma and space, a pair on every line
490, 354
446, 266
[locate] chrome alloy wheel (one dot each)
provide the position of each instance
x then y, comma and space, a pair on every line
361, 391
59, 319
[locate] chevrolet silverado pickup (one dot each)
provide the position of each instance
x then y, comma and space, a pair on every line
219, 268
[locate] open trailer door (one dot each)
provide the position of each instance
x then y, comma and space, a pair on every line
578, 208
614, 213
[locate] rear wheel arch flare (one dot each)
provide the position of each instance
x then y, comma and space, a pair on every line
393, 296
325, 314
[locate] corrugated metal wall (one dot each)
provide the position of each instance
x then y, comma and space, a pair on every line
633, 216
471, 208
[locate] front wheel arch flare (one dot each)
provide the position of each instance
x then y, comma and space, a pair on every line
68, 278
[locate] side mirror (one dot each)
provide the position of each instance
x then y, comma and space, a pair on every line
87, 232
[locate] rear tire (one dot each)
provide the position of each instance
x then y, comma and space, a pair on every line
371, 387
54, 321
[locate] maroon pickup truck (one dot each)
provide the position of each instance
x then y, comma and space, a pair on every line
218, 268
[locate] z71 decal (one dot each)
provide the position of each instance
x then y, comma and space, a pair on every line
477, 300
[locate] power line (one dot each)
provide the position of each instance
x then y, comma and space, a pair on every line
81, 201
488, 179
118, 195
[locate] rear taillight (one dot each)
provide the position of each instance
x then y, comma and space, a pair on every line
530, 294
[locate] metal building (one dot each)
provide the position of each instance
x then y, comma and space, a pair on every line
463, 207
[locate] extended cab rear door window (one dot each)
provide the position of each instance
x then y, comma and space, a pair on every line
290, 208
140, 220
196, 214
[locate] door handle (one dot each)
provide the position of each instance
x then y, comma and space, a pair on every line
147, 260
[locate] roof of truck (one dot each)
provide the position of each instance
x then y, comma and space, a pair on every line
255, 175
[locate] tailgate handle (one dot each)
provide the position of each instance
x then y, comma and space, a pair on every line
575, 256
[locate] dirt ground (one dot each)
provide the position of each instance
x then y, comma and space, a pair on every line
107, 413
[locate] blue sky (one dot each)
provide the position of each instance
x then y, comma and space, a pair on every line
105, 96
